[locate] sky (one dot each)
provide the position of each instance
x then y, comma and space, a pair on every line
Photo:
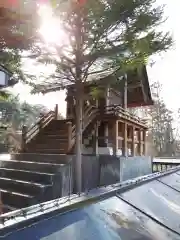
165, 69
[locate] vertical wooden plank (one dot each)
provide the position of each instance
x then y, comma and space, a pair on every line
145, 142
69, 132
125, 92
133, 141
67, 106
70, 107
139, 143
106, 134
56, 112
23, 141
1, 204
124, 145
115, 137
95, 140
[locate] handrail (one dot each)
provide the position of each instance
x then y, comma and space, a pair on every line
92, 112
119, 110
89, 114
41, 123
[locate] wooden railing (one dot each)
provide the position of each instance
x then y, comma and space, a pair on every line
163, 164
90, 113
119, 111
28, 134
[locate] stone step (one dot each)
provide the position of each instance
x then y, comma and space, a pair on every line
15, 199
29, 176
28, 188
54, 135
46, 158
49, 130
57, 141
57, 144
47, 151
31, 166
59, 130
54, 139
51, 137
45, 148
58, 124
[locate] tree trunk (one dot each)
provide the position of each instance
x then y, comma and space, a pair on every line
78, 150
79, 98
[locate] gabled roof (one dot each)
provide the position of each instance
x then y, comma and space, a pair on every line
139, 93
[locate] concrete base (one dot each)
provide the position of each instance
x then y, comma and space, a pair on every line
101, 151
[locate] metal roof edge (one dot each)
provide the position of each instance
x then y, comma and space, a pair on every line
19, 219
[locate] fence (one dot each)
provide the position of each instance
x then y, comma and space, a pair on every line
163, 164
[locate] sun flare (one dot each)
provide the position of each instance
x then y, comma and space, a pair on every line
50, 26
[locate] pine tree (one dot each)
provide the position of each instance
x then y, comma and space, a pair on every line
19, 32
101, 37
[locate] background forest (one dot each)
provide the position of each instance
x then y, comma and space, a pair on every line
14, 114
163, 135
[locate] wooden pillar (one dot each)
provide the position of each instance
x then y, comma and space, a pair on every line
124, 145
106, 133
139, 143
125, 92
70, 109
69, 131
144, 139
56, 112
1, 205
95, 140
23, 140
133, 141
115, 138
107, 92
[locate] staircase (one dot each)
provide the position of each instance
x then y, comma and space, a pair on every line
52, 136
40, 171
35, 176
31, 178
53, 139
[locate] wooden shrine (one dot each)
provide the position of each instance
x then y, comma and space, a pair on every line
115, 127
